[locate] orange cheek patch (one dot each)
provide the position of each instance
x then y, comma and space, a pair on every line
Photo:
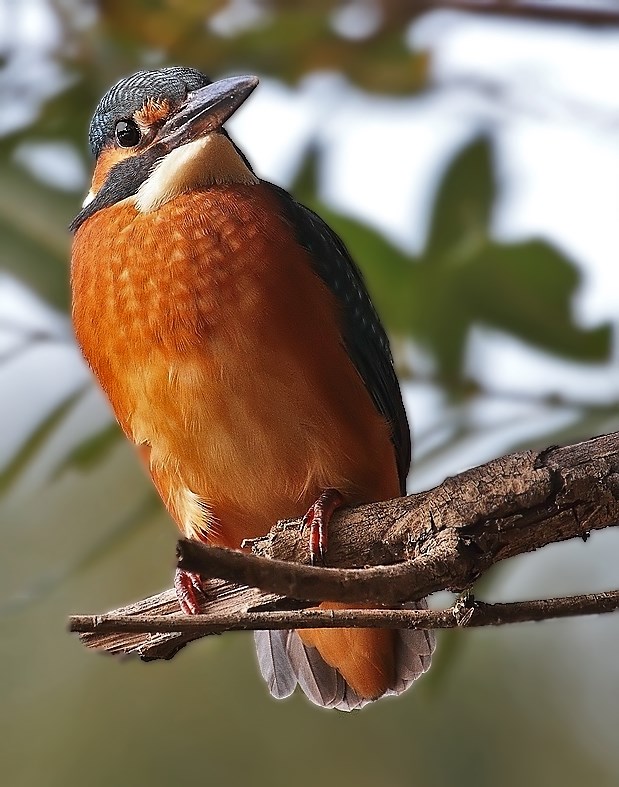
108, 158
152, 113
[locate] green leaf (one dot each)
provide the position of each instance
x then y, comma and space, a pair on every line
527, 289
34, 221
38, 437
91, 451
466, 278
463, 206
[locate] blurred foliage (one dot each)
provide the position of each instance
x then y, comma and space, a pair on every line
33, 226
285, 39
465, 277
40, 435
81, 503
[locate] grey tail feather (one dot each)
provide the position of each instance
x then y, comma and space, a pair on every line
274, 663
285, 661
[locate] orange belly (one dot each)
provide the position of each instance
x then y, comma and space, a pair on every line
221, 353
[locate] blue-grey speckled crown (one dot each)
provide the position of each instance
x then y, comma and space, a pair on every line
129, 95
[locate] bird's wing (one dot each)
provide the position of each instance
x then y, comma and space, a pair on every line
363, 335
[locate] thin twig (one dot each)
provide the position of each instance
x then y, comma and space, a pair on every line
466, 612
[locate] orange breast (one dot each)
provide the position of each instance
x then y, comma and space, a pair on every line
221, 353
220, 349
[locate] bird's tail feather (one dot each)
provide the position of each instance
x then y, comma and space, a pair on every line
286, 662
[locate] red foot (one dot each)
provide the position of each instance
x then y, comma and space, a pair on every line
318, 518
189, 591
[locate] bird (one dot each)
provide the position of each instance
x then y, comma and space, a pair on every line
240, 351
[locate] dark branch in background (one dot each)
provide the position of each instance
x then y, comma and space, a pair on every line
27, 337
443, 539
588, 13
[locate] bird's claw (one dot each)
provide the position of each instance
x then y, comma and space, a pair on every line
317, 519
189, 591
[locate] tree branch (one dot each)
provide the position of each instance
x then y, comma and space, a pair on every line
591, 14
222, 599
441, 539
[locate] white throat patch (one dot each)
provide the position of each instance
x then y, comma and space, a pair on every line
204, 162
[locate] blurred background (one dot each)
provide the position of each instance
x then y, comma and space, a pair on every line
471, 163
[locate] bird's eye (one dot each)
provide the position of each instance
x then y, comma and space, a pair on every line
127, 133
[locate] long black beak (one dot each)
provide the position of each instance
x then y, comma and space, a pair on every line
205, 110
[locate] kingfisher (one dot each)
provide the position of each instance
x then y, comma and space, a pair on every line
240, 351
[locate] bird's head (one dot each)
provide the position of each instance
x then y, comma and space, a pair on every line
157, 134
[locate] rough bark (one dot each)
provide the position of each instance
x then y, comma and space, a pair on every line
441, 539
